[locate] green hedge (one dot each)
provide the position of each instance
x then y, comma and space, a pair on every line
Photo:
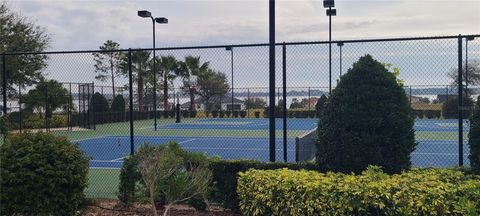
225, 175
41, 174
415, 192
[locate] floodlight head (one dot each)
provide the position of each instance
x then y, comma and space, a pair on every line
331, 12
144, 13
328, 3
340, 44
470, 38
228, 48
161, 20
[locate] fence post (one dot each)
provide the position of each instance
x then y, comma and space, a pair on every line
248, 103
130, 92
20, 106
284, 62
69, 114
93, 106
4, 83
309, 108
46, 106
460, 103
272, 79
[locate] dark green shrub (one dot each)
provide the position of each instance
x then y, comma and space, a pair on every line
430, 114
171, 113
366, 121
41, 174
228, 113
100, 103
450, 108
311, 114
58, 121
235, 114
221, 114
33, 122
129, 176
243, 114
193, 114
165, 114
257, 114
118, 104
319, 106
290, 114
5, 124
185, 113
474, 138
225, 176
215, 113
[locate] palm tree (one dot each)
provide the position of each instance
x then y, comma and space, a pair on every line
168, 67
140, 66
191, 66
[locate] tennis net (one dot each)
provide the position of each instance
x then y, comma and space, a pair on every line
305, 146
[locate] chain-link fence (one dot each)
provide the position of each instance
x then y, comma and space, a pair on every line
215, 99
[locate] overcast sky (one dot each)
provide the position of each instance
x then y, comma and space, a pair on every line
77, 25
81, 25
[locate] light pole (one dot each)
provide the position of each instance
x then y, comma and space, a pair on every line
340, 44
330, 12
229, 48
160, 20
470, 38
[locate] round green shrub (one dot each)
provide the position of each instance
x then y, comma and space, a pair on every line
474, 138
100, 103
366, 121
33, 121
215, 113
450, 108
41, 174
118, 104
319, 105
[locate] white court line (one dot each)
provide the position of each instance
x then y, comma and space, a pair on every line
190, 140
106, 161
88, 139
110, 168
118, 159
249, 149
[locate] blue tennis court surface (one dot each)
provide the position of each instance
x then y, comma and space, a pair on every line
109, 151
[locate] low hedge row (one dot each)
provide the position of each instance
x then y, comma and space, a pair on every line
227, 114
414, 192
430, 114
292, 114
225, 176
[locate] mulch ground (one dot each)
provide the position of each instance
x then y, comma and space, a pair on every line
114, 208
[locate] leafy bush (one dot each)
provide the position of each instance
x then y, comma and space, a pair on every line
319, 106
366, 121
33, 121
416, 192
118, 104
193, 114
228, 113
243, 114
185, 113
41, 174
221, 114
450, 108
257, 114
171, 113
174, 175
100, 103
418, 114
430, 114
225, 175
58, 121
129, 176
215, 113
474, 138
235, 114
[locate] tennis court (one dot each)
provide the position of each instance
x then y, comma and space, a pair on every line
108, 151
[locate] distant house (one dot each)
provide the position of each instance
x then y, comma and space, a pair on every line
415, 99
219, 103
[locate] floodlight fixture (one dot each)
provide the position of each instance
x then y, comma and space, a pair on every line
161, 20
228, 48
144, 14
470, 38
331, 12
340, 44
328, 3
